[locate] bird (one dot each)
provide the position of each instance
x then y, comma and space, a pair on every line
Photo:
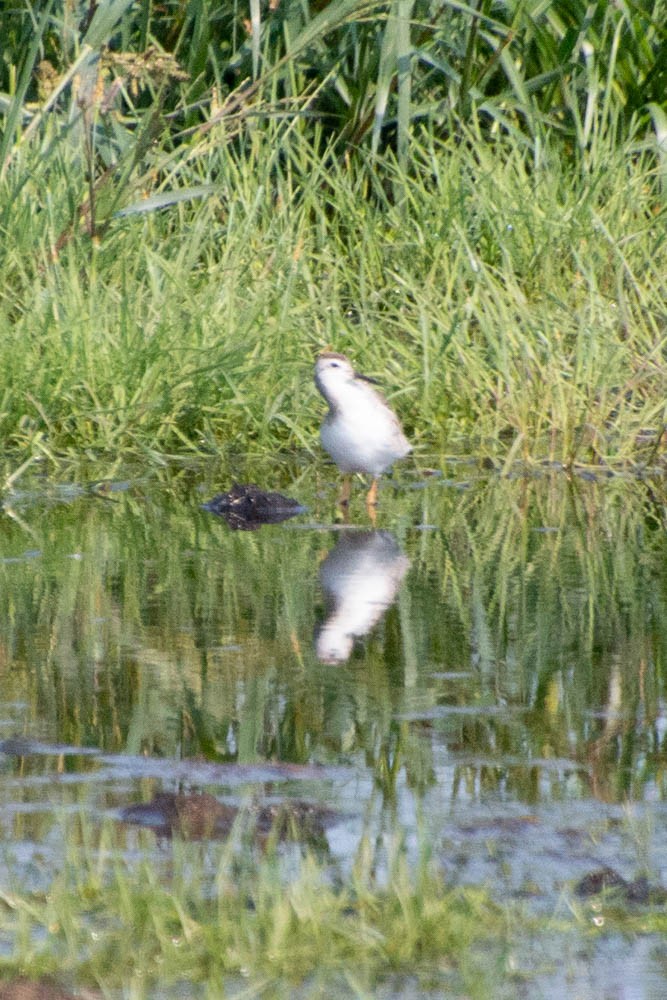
360, 430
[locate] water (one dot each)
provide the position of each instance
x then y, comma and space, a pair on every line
489, 662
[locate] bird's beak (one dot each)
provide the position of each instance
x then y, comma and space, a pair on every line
366, 378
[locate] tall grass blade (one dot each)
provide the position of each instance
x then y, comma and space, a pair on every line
403, 59
85, 56
16, 110
386, 72
104, 22
164, 200
255, 29
660, 126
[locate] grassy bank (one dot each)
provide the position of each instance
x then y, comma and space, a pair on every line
470, 201
505, 298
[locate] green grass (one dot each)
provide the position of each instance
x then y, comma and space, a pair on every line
143, 925
508, 302
209, 919
471, 203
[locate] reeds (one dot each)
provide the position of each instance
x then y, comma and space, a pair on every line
170, 266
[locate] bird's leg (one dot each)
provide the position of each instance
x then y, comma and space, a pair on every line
344, 500
372, 502
342, 515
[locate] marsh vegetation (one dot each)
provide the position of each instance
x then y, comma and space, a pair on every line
470, 202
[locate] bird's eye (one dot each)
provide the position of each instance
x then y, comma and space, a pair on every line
334, 364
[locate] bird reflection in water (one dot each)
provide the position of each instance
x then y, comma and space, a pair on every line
360, 578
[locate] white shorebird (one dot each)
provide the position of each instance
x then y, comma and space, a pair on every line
360, 431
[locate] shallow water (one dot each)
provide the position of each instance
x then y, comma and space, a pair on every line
488, 662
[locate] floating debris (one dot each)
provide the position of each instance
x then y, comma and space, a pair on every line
42, 989
199, 816
606, 879
247, 507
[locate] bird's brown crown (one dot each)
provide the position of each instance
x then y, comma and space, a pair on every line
332, 354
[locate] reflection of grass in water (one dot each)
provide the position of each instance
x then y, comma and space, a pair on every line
171, 634
554, 591
170, 631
